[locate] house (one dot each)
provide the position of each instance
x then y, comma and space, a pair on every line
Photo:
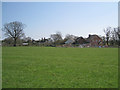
69, 41
94, 41
80, 40
91, 41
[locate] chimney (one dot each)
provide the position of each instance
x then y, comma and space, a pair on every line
89, 35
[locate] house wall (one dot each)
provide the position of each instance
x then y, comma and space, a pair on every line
95, 41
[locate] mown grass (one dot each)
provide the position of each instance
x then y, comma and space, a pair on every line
48, 67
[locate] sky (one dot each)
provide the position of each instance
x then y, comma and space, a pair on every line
77, 18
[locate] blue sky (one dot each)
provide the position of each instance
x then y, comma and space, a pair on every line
77, 18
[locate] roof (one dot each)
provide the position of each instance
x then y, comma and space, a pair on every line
69, 41
92, 37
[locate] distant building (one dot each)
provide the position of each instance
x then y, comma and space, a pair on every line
69, 41
94, 41
91, 41
80, 40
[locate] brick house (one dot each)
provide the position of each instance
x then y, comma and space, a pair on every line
80, 40
91, 41
94, 41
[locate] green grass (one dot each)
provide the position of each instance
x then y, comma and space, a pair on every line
47, 67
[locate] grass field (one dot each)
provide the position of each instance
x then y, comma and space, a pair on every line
48, 67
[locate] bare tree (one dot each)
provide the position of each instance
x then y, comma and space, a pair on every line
107, 33
68, 36
103, 39
14, 30
56, 37
117, 30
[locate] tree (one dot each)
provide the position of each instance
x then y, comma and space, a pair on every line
14, 30
68, 36
114, 36
7, 41
103, 39
117, 30
107, 33
56, 37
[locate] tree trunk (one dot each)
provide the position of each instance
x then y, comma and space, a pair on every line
14, 42
107, 40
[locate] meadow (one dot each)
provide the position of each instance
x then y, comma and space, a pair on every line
51, 67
